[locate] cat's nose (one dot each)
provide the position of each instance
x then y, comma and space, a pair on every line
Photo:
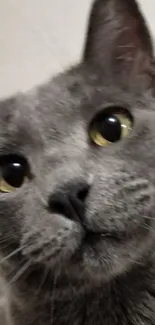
70, 200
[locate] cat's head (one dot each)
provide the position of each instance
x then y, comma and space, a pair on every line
77, 155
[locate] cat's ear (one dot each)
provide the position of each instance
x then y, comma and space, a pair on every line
119, 38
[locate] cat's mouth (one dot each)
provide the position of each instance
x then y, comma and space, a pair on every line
92, 237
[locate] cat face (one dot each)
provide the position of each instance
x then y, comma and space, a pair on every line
77, 156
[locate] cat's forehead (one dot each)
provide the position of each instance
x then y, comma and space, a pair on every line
74, 96
83, 91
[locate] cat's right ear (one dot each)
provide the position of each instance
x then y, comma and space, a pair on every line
118, 38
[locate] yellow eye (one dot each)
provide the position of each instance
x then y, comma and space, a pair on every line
13, 173
109, 127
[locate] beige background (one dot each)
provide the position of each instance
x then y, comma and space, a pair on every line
39, 38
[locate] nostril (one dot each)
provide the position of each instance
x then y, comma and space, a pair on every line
82, 193
58, 207
60, 203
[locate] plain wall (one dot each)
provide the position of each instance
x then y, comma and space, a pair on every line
39, 38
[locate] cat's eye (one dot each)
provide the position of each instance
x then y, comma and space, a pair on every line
110, 126
13, 173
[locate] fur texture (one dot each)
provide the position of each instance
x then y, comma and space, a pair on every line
77, 239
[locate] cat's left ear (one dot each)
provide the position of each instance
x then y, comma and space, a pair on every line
119, 40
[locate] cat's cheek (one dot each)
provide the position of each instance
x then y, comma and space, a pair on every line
52, 246
107, 257
66, 244
121, 207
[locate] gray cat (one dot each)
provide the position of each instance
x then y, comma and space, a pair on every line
77, 182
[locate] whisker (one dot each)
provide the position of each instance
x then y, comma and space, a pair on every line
19, 273
53, 295
3, 240
147, 227
150, 218
135, 262
6, 239
16, 251
45, 274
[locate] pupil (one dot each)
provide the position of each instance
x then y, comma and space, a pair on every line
110, 128
13, 174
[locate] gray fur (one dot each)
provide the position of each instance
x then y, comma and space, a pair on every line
60, 276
